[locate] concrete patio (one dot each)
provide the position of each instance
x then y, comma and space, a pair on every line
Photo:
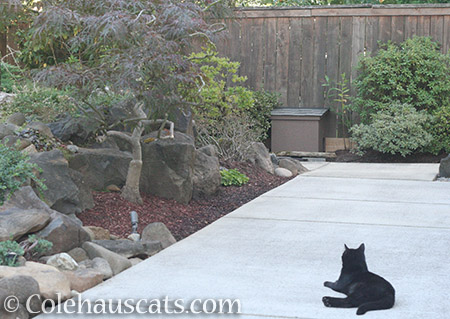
274, 253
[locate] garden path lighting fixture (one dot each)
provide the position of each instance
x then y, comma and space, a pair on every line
134, 222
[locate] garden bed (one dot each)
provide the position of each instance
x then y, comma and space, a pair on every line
113, 212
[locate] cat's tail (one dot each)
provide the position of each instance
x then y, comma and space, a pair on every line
386, 302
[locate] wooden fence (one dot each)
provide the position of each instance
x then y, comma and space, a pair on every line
291, 50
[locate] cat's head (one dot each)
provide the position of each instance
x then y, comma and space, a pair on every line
354, 256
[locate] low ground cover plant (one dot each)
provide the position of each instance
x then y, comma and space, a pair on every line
15, 171
232, 177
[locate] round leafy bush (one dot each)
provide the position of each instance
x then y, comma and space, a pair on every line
9, 252
439, 128
15, 171
264, 103
413, 72
396, 129
232, 177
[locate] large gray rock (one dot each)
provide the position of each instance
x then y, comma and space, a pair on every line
83, 279
64, 232
22, 287
444, 167
207, 178
42, 128
6, 98
23, 213
61, 194
78, 254
168, 167
117, 262
102, 266
259, 155
292, 165
158, 232
128, 248
18, 142
76, 129
101, 167
7, 129
16, 119
52, 282
283, 172
62, 261
85, 198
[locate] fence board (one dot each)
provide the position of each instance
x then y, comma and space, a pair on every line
295, 63
282, 58
270, 59
320, 50
437, 29
398, 29
446, 42
372, 37
307, 62
423, 26
410, 27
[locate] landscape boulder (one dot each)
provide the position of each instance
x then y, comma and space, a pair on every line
78, 254
444, 167
62, 194
22, 287
7, 129
101, 167
158, 232
42, 128
99, 233
17, 119
117, 262
168, 167
207, 178
102, 266
128, 248
283, 172
76, 129
23, 213
63, 261
83, 279
51, 281
64, 232
259, 155
6, 98
292, 165
16, 141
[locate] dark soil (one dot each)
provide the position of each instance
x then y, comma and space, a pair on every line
377, 157
113, 213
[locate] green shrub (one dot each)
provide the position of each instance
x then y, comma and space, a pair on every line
41, 102
215, 100
15, 171
439, 128
233, 177
396, 129
9, 251
413, 72
10, 76
264, 103
35, 247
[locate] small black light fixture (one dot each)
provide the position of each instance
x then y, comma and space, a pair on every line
134, 222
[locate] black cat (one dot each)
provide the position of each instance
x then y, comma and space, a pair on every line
364, 289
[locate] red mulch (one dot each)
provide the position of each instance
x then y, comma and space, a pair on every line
377, 157
113, 213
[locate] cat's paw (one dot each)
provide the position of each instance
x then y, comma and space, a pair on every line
328, 284
361, 311
326, 301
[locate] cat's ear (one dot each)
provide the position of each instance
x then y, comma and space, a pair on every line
362, 247
346, 248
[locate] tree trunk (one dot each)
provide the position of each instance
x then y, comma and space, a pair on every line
131, 189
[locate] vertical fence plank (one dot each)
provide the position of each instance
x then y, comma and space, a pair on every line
333, 46
372, 35
320, 49
446, 38
410, 27
246, 52
282, 58
257, 53
307, 62
384, 29
235, 41
270, 27
398, 29
295, 63
358, 39
437, 29
423, 26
